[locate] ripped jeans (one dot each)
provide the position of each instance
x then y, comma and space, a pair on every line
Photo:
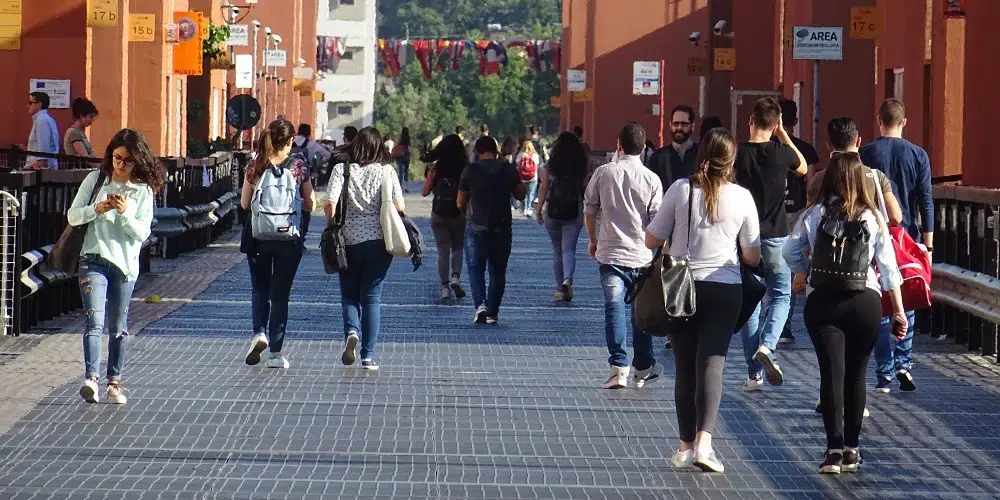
105, 291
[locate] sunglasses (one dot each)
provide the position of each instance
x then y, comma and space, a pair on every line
680, 124
129, 161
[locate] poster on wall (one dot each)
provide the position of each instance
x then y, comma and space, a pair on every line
244, 71
57, 90
188, 56
646, 78
10, 24
576, 80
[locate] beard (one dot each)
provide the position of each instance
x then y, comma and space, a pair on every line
680, 136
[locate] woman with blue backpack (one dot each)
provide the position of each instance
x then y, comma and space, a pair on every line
447, 221
366, 178
277, 191
560, 207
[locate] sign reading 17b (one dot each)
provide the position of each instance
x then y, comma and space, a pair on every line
102, 13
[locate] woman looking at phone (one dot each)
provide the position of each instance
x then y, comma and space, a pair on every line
117, 224
847, 241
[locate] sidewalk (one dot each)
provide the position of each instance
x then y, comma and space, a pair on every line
457, 411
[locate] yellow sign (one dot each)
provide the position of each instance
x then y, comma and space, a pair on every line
10, 24
188, 57
866, 22
725, 59
102, 13
696, 66
585, 95
556, 101
142, 27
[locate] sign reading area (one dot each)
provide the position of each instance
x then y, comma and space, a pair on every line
818, 43
239, 35
576, 80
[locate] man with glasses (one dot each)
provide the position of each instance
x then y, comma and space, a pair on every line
678, 159
44, 136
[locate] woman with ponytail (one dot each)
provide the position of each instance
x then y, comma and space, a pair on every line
273, 261
704, 218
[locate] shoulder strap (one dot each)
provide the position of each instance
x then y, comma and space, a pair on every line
879, 195
340, 215
690, 205
101, 179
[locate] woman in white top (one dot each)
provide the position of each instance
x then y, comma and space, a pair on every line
721, 214
843, 318
527, 163
118, 222
367, 259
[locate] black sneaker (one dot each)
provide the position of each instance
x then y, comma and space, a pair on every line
786, 338
492, 320
905, 381
884, 385
832, 464
852, 460
667, 345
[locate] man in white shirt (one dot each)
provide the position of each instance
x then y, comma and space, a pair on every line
627, 195
44, 136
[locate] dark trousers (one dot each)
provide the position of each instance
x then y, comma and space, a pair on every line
843, 327
700, 356
487, 250
272, 272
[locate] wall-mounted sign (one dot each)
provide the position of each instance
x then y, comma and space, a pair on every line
302, 73
576, 80
275, 58
954, 8
239, 35
102, 13
818, 43
585, 95
646, 78
57, 90
697, 66
555, 101
866, 23
142, 27
10, 24
170, 33
188, 56
724, 59
244, 71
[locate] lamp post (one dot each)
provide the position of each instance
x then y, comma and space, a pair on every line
279, 107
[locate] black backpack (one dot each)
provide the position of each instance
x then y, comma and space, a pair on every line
446, 197
840, 258
563, 200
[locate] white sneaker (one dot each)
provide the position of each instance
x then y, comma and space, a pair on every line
350, 349
116, 395
708, 462
445, 292
640, 377
773, 372
683, 459
753, 384
617, 379
277, 361
479, 317
257, 345
89, 391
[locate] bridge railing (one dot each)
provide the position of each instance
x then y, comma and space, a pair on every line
195, 206
965, 286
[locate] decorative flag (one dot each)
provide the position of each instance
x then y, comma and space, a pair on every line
492, 58
329, 51
424, 50
390, 56
456, 52
556, 55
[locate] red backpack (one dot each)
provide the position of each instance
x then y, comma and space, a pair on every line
527, 168
915, 268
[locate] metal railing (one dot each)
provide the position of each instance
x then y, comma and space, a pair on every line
15, 159
10, 209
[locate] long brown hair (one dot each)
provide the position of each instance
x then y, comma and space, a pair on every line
368, 148
716, 156
274, 138
148, 168
844, 189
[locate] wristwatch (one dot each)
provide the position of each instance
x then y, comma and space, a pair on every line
929, 249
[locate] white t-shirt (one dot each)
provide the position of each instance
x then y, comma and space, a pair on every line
713, 255
364, 200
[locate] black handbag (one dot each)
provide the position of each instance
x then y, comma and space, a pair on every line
753, 292
65, 254
331, 243
663, 296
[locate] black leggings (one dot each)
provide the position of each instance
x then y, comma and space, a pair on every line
843, 327
700, 356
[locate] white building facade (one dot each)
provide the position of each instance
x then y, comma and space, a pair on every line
349, 89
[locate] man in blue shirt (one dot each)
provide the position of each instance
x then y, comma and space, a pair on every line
909, 171
44, 136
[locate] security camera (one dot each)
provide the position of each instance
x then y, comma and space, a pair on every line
694, 38
256, 24
276, 38
302, 62
236, 10
720, 28
267, 31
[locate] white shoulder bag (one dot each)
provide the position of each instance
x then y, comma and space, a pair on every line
397, 240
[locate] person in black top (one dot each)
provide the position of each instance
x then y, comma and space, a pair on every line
762, 166
484, 192
795, 191
339, 154
678, 159
708, 123
447, 221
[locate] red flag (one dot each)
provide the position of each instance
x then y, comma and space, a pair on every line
390, 56
424, 51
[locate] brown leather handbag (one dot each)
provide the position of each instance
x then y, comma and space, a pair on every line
65, 254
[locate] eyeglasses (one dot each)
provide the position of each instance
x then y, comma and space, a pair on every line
129, 161
31, 103
680, 124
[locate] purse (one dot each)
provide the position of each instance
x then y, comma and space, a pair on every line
65, 254
663, 297
331, 242
397, 240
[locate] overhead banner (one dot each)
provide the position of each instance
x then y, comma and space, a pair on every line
188, 56
10, 24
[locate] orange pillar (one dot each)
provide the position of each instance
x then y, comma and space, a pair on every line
108, 67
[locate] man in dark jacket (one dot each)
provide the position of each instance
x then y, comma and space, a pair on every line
339, 154
678, 159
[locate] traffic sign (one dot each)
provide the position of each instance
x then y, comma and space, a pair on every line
242, 112
866, 23
818, 43
725, 59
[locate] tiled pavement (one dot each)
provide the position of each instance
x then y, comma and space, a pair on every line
462, 411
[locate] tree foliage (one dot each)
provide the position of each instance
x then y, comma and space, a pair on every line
507, 102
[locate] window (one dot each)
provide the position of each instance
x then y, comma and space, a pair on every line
348, 55
346, 2
344, 110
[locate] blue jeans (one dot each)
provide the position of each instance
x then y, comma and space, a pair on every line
778, 279
531, 190
487, 250
105, 291
565, 234
272, 272
892, 354
403, 166
361, 291
615, 280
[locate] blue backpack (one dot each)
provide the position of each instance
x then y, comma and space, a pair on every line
276, 209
